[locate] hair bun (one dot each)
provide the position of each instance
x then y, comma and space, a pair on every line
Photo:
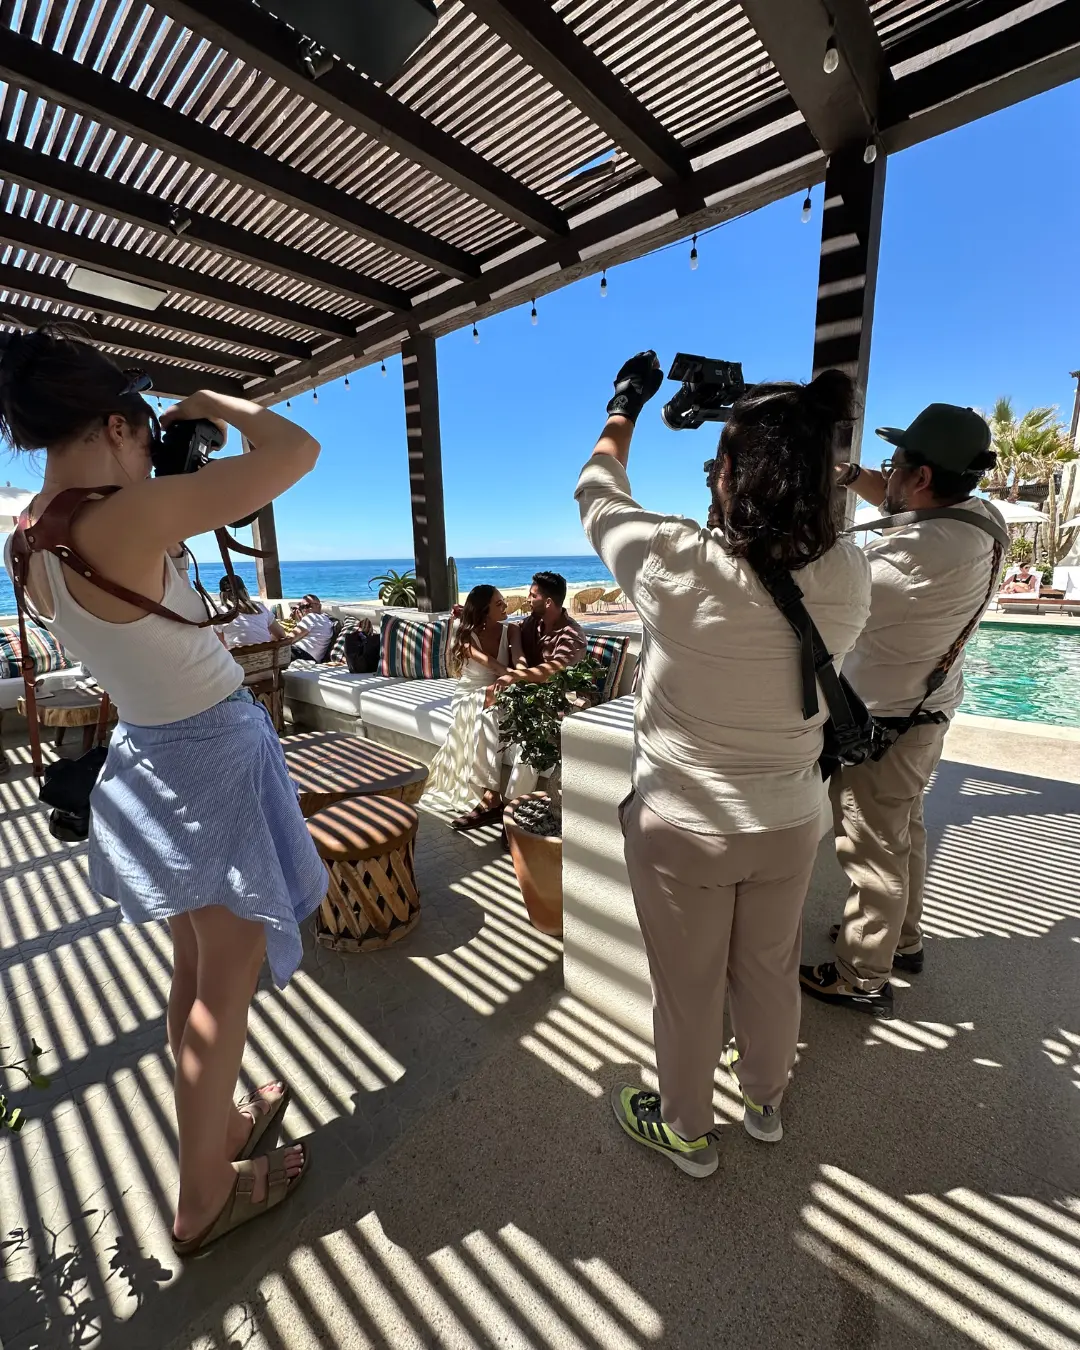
831, 395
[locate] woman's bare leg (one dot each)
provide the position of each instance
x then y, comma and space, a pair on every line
184, 978
230, 955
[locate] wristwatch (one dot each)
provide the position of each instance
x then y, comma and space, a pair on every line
849, 475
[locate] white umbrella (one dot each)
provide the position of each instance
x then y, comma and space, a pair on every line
1019, 513
1070, 524
13, 502
865, 514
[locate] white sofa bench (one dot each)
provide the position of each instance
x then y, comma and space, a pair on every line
604, 962
410, 715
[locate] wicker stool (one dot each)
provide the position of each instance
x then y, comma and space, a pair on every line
367, 845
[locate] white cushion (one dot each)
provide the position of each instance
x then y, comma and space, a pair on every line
12, 690
332, 687
419, 708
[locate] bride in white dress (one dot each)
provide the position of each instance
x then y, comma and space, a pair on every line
466, 773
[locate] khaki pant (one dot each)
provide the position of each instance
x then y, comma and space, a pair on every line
719, 910
881, 845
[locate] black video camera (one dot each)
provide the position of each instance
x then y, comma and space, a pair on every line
186, 446
709, 388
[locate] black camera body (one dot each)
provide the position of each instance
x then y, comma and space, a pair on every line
185, 447
709, 388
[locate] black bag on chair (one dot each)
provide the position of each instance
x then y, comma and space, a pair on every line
362, 652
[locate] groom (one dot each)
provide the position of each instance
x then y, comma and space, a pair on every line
550, 640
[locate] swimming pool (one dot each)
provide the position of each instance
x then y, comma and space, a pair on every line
1030, 675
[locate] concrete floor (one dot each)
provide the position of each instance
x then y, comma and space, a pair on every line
469, 1188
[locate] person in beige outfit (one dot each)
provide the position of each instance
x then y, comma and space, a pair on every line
723, 825
932, 577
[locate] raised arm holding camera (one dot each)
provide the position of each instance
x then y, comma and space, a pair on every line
194, 818
723, 825
933, 575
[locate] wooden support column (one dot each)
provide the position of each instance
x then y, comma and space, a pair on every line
847, 273
264, 536
421, 378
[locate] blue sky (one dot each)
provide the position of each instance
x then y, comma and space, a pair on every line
978, 295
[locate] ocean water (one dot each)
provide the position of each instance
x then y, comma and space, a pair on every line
351, 580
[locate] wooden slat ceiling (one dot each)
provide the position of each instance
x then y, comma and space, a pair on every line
300, 229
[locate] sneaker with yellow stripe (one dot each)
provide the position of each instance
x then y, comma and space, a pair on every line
761, 1122
638, 1112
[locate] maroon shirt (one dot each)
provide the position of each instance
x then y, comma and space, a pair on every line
565, 644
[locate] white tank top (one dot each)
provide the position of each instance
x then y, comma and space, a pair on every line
154, 669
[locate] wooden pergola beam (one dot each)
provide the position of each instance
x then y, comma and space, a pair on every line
420, 376
270, 45
109, 335
43, 286
840, 107
742, 181
550, 46
61, 178
1017, 61
61, 80
146, 271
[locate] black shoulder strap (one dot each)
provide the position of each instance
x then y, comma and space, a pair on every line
815, 658
997, 531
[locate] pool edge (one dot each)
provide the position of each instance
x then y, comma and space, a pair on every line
1047, 731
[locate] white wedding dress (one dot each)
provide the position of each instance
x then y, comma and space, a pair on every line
469, 762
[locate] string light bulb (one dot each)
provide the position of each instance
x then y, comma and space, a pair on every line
831, 61
693, 255
288, 403
315, 395
476, 335
869, 155
603, 285
382, 368
347, 382
533, 316
807, 209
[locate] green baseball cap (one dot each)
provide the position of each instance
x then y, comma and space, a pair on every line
944, 435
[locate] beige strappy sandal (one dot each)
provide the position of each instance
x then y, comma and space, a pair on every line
276, 1096
239, 1208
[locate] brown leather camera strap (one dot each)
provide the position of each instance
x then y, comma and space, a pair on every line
51, 533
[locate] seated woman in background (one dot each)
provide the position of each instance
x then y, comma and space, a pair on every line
1024, 581
466, 774
253, 624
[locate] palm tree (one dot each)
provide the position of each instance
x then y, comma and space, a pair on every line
1030, 448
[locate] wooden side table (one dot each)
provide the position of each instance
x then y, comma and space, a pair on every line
70, 708
329, 767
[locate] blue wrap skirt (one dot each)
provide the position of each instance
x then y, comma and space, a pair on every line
203, 812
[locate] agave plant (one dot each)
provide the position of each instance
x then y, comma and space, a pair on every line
396, 588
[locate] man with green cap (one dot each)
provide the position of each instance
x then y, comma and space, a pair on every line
931, 579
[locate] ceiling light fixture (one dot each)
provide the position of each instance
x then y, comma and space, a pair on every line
88, 281
178, 221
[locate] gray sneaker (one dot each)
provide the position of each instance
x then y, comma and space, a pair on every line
760, 1122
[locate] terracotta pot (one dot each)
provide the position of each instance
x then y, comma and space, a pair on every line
538, 865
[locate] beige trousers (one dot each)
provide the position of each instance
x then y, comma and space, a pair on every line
881, 845
719, 911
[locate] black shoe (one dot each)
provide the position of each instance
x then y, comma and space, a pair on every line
824, 982
909, 962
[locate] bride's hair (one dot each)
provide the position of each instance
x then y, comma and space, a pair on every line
477, 604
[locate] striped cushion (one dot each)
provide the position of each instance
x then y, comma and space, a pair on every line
336, 655
44, 648
611, 653
414, 651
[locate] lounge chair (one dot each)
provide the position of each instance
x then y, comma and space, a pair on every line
583, 599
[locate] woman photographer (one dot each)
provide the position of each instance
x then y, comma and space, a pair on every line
190, 743
722, 828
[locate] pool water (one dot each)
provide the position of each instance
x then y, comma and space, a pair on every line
1029, 675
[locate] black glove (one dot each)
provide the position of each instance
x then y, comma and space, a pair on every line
635, 384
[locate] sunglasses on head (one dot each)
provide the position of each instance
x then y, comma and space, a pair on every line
138, 382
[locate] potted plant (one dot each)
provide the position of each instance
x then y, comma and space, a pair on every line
397, 589
530, 717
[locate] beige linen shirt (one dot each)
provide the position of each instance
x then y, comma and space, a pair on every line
720, 743
928, 581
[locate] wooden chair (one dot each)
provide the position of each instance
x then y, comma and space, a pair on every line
262, 663
614, 597
585, 598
